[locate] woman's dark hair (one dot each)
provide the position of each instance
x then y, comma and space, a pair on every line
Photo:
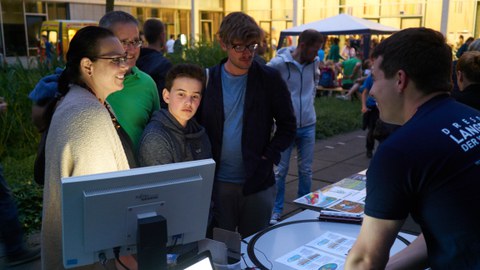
85, 43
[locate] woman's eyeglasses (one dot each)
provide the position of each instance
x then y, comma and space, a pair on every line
117, 60
242, 48
135, 43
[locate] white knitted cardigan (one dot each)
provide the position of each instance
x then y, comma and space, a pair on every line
81, 140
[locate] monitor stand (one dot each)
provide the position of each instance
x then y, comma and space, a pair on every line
152, 242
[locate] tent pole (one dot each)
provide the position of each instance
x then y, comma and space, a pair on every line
366, 45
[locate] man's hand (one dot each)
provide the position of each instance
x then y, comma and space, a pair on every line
3, 105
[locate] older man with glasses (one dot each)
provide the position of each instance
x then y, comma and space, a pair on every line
241, 101
138, 99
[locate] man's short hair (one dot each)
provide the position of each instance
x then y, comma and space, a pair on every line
239, 26
153, 30
422, 54
185, 70
474, 45
310, 37
469, 65
113, 17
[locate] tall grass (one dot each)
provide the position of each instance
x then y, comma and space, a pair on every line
19, 138
336, 116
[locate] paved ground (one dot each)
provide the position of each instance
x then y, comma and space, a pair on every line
335, 159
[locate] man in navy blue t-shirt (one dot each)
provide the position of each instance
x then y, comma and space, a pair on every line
429, 168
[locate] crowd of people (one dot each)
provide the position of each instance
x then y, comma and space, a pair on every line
120, 105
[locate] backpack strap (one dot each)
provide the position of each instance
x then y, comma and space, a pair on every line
207, 75
43, 125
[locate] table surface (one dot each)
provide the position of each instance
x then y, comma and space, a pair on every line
295, 232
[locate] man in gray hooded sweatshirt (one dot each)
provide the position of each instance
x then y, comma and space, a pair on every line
299, 68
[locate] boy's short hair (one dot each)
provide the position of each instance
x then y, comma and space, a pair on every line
239, 26
184, 70
469, 65
474, 46
422, 54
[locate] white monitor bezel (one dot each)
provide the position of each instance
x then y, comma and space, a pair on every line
194, 178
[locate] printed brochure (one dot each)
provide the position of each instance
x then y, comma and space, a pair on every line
327, 252
347, 195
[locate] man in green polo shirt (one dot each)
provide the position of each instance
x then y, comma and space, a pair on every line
138, 99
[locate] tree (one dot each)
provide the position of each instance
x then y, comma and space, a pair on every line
109, 5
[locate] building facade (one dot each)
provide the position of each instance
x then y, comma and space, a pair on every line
199, 19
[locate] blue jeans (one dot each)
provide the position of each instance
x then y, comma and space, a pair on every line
10, 227
305, 142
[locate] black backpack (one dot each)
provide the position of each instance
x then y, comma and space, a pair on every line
42, 122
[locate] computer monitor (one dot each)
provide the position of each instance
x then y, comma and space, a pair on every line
108, 211
201, 261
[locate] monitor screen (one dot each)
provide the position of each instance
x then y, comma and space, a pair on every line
201, 261
100, 212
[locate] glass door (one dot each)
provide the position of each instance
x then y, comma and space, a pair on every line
32, 27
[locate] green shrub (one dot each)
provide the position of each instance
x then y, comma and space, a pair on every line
203, 53
19, 139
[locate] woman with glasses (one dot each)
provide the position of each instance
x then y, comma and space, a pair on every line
83, 136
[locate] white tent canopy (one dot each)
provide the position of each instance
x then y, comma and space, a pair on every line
342, 24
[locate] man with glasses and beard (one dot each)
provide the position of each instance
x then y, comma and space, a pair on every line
241, 100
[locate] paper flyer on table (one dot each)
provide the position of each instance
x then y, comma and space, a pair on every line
310, 258
347, 195
359, 176
350, 183
327, 252
348, 206
334, 243
317, 199
338, 192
